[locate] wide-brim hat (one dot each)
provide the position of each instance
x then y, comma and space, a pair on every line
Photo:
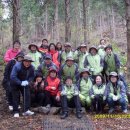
113, 74
67, 44
27, 58
70, 58
32, 44
93, 47
83, 45
84, 70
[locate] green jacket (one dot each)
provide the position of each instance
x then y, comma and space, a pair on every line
66, 71
64, 55
94, 63
120, 90
80, 58
112, 63
98, 90
69, 91
36, 57
85, 87
101, 52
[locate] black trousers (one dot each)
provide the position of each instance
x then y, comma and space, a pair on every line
38, 99
25, 91
73, 102
51, 99
98, 103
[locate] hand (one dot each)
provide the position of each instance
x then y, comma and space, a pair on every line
36, 83
53, 88
58, 98
24, 83
115, 98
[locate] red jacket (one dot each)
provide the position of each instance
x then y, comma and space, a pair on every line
55, 55
52, 83
10, 54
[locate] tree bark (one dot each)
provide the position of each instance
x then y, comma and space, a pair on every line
128, 37
67, 21
16, 19
85, 3
56, 29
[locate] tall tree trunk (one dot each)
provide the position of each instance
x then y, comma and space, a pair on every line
67, 21
46, 23
85, 3
16, 19
56, 29
128, 37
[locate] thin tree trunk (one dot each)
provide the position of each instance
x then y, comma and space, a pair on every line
56, 29
67, 21
16, 19
128, 37
113, 23
46, 25
84, 19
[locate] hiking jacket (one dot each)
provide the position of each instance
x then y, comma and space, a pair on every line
49, 83
10, 54
20, 73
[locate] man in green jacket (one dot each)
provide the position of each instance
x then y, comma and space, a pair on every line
80, 56
69, 69
85, 85
70, 97
35, 55
66, 53
93, 61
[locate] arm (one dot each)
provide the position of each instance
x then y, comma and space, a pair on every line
7, 56
14, 75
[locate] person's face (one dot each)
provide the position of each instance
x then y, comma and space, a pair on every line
69, 82
53, 74
44, 42
33, 48
59, 46
19, 59
108, 51
93, 51
47, 61
85, 74
16, 46
98, 80
83, 49
69, 62
113, 79
26, 63
52, 47
67, 48
39, 79
103, 42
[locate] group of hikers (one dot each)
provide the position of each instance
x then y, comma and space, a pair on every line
51, 75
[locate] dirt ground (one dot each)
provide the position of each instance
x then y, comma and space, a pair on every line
90, 121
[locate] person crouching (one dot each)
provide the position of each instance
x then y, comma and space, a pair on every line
70, 97
37, 91
52, 90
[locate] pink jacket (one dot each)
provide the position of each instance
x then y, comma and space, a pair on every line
10, 54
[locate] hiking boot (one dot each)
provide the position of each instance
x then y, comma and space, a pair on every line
64, 115
111, 110
125, 111
79, 115
28, 113
16, 115
10, 108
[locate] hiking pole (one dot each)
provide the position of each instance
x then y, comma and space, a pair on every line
24, 99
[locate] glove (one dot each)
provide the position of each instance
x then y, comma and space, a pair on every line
24, 83
115, 98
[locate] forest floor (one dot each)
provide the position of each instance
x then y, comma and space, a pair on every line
90, 121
